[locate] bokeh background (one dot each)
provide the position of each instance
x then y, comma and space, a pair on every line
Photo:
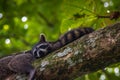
22, 21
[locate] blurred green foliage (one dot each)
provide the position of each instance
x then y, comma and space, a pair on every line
22, 21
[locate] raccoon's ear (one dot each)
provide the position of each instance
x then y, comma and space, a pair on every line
42, 38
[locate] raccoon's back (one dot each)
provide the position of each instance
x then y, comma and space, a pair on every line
4, 70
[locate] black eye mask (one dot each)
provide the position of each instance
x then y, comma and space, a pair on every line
43, 46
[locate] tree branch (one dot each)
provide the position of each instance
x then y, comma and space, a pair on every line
45, 19
85, 55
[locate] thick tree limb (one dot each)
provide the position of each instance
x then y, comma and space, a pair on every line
85, 55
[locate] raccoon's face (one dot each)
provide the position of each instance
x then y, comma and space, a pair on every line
42, 48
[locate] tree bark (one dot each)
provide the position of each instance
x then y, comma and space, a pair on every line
87, 54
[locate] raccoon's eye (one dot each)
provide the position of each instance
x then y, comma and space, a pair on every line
43, 46
42, 53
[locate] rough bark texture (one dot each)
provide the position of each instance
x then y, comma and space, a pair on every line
85, 55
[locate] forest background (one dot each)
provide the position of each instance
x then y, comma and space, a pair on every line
22, 21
